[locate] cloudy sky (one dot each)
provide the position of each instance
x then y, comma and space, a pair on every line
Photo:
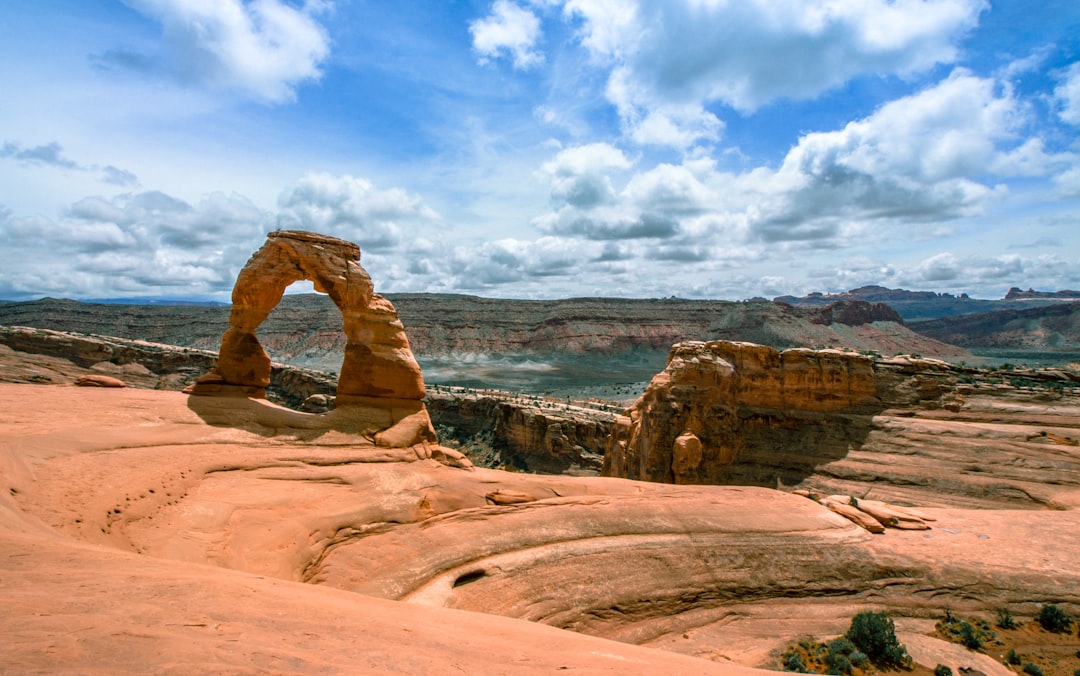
543, 148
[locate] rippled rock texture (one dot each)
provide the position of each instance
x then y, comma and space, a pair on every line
136, 526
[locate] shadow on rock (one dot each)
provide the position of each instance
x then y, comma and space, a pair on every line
738, 413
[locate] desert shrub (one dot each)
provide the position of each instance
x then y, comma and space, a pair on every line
1053, 619
837, 664
841, 646
793, 661
875, 634
837, 660
1012, 657
1005, 619
969, 637
1032, 669
972, 635
859, 659
942, 670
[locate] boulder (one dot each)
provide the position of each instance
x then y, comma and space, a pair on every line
97, 380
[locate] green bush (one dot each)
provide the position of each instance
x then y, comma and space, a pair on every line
859, 659
1005, 619
793, 661
1012, 657
837, 664
875, 634
969, 637
942, 670
1032, 669
841, 646
837, 660
1053, 619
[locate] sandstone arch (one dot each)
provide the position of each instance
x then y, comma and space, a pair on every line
378, 373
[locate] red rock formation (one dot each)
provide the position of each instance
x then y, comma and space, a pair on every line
99, 381
905, 430
378, 373
694, 419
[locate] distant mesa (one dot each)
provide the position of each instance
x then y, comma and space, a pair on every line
871, 294
1066, 294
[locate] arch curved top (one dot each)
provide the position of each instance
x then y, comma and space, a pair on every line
331, 264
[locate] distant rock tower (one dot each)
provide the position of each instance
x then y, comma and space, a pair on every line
378, 373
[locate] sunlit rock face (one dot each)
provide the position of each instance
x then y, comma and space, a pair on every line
378, 374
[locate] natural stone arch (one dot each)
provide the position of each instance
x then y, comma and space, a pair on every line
378, 361
380, 389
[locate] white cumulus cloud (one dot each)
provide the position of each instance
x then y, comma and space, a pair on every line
131, 244
261, 48
686, 55
510, 29
353, 209
1067, 94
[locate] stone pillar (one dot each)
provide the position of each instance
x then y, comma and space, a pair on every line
378, 360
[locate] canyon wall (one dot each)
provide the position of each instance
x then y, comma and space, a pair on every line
521, 432
305, 328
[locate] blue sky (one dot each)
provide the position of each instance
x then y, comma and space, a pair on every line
543, 148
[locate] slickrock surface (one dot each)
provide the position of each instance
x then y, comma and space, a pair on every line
148, 530
903, 430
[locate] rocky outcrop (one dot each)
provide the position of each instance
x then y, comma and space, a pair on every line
378, 373
96, 380
378, 361
528, 433
907, 430
698, 416
854, 313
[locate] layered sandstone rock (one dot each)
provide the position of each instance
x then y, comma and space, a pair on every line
905, 430
379, 374
529, 433
694, 420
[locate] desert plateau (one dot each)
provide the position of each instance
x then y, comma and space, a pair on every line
170, 508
